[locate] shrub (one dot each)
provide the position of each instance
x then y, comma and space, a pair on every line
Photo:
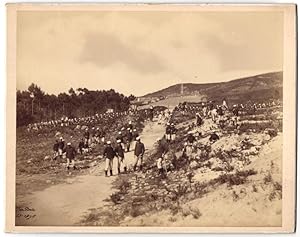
268, 178
277, 186
195, 212
115, 197
172, 219
238, 178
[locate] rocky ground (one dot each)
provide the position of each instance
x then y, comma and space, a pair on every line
234, 182
62, 198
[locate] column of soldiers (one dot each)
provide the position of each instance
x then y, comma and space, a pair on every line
124, 141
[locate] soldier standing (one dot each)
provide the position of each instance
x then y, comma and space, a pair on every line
109, 155
139, 151
120, 155
70, 154
61, 145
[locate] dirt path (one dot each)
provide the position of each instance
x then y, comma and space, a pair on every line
65, 204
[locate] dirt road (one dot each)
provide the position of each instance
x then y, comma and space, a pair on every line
65, 204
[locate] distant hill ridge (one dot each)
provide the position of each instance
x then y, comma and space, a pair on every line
258, 87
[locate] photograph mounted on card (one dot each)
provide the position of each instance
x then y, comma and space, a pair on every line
151, 118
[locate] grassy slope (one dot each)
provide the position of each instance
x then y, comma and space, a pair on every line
250, 194
260, 87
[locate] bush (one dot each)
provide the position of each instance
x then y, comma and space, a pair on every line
238, 178
115, 197
268, 178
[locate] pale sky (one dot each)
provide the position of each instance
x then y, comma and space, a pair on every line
142, 52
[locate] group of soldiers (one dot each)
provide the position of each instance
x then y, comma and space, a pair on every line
123, 139
118, 151
59, 149
220, 115
170, 132
80, 121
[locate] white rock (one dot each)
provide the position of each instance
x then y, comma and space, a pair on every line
193, 164
77, 127
58, 134
267, 137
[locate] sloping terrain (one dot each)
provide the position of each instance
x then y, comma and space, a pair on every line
259, 87
234, 181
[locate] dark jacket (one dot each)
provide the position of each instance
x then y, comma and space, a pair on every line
168, 129
119, 151
55, 146
191, 138
61, 144
162, 149
129, 136
70, 152
199, 120
86, 135
173, 130
139, 148
109, 152
81, 145
135, 135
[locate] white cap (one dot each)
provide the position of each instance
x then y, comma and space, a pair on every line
129, 122
61, 138
190, 132
69, 143
138, 138
118, 141
108, 142
120, 133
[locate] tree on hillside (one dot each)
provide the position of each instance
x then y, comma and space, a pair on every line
34, 105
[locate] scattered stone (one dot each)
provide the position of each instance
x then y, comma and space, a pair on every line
253, 151
77, 127
84, 127
57, 134
194, 164
267, 137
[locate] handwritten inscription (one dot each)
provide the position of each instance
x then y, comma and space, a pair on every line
25, 212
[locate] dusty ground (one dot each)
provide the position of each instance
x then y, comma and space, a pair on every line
255, 203
65, 203
229, 187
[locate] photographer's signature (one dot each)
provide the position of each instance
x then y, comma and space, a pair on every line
25, 212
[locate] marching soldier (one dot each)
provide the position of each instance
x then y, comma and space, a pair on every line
61, 145
70, 154
139, 151
120, 155
109, 155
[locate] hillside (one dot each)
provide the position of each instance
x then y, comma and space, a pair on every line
259, 87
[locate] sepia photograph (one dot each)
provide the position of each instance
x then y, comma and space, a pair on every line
159, 118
